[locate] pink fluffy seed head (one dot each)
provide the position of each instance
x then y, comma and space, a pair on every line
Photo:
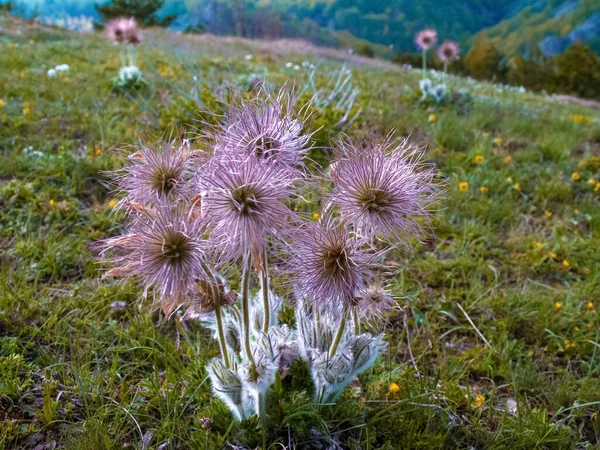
330, 265
160, 172
383, 189
123, 30
375, 301
448, 51
245, 204
425, 39
164, 248
266, 128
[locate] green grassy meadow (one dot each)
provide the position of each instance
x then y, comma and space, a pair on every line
495, 342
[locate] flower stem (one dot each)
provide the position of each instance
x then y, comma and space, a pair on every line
264, 285
246, 308
217, 301
317, 314
424, 64
262, 414
445, 66
356, 321
222, 342
123, 57
339, 334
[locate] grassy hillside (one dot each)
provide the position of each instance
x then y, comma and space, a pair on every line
494, 343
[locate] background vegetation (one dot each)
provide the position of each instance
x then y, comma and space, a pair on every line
513, 25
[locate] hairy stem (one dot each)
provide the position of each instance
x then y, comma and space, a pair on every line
445, 66
262, 414
264, 285
246, 308
317, 314
222, 343
123, 57
339, 334
217, 300
355, 320
424, 64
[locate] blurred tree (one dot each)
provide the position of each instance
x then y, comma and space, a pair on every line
483, 60
5, 8
533, 72
366, 50
408, 58
144, 11
577, 71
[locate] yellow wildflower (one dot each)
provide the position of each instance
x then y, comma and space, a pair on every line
432, 118
518, 187
486, 135
558, 305
23, 74
484, 189
509, 179
578, 118
590, 305
548, 213
592, 181
463, 187
394, 388
553, 255
51, 202
479, 401
576, 211
26, 111
1, 103
112, 203
565, 263
98, 152
575, 176
538, 244
597, 188
498, 141
316, 215
478, 159
507, 160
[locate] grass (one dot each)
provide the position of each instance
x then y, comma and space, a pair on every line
496, 340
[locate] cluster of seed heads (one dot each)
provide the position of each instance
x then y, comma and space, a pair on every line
236, 208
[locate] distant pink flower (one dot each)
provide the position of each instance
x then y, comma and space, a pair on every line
448, 51
123, 30
425, 39
381, 188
